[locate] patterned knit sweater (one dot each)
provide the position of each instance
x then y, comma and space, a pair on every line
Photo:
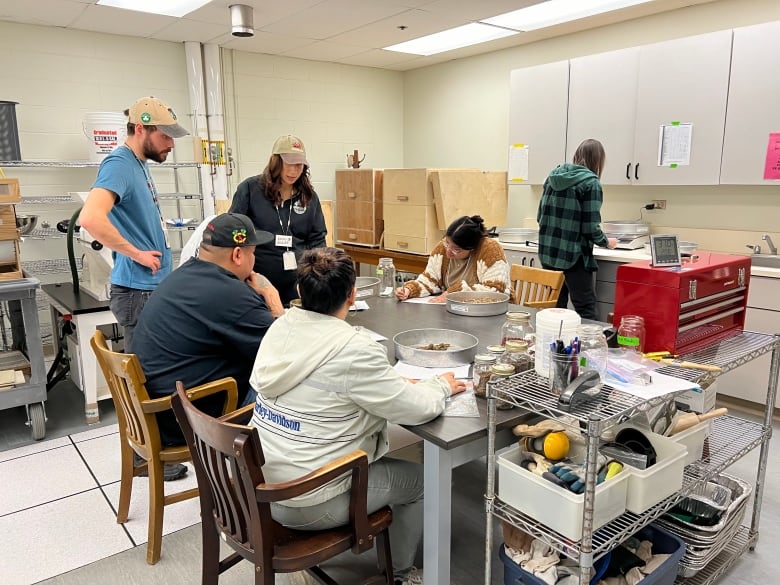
487, 271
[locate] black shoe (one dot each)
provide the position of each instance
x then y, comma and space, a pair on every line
171, 471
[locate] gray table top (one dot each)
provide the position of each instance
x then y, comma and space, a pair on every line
389, 317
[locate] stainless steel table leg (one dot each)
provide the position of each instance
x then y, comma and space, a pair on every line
437, 514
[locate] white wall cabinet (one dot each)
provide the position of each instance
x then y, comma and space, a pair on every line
754, 95
622, 98
602, 105
537, 115
522, 258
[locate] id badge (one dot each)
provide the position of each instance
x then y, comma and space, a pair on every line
283, 241
165, 234
288, 260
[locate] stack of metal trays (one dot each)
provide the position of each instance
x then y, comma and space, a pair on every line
704, 543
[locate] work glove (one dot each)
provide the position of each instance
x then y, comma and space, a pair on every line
572, 475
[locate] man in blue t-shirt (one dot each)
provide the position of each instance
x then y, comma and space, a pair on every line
123, 213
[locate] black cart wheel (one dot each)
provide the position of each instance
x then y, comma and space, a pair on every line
37, 421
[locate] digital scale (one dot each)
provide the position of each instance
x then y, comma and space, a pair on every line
629, 241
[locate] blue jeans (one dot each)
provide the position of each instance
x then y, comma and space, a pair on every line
126, 304
392, 482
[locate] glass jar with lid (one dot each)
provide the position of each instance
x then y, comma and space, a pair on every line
385, 271
516, 355
497, 373
483, 363
593, 349
517, 327
631, 333
496, 350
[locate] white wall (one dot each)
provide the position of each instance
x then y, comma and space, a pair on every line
456, 114
333, 108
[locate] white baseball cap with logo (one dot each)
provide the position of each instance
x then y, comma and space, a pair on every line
151, 111
291, 149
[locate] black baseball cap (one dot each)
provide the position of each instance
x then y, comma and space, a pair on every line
230, 230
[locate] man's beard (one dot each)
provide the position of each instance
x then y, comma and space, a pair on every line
151, 153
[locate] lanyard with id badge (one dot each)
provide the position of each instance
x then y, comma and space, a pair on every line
153, 191
285, 240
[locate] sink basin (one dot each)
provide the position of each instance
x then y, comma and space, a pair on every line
765, 260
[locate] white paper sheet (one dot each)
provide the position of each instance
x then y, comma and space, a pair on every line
518, 163
660, 386
674, 144
359, 306
420, 373
425, 301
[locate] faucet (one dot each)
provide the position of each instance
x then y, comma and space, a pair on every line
756, 249
769, 243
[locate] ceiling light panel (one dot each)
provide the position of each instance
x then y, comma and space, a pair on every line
167, 7
555, 12
454, 38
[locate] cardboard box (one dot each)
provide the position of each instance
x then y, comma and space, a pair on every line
699, 401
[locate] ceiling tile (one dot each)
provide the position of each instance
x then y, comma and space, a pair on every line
324, 51
42, 12
106, 19
264, 42
191, 30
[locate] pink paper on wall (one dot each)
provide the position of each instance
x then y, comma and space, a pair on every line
772, 165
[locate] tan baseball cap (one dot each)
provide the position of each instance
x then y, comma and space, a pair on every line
291, 149
151, 111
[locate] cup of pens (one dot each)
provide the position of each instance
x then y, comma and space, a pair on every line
564, 366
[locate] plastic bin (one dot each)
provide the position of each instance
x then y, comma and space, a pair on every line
647, 487
664, 543
693, 439
514, 574
555, 507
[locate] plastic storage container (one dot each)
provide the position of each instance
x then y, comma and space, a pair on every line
552, 324
693, 439
555, 507
647, 487
514, 574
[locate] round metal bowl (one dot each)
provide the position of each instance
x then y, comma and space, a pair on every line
462, 303
518, 235
367, 286
625, 227
463, 347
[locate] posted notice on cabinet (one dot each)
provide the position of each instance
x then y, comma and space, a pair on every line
772, 164
674, 144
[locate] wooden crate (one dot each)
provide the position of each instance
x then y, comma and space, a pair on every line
9, 191
12, 269
8, 229
359, 206
457, 193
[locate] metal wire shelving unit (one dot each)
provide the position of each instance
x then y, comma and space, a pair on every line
730, 440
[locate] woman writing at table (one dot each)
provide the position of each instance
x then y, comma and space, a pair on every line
465, 260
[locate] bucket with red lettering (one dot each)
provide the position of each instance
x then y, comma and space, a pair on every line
104, 131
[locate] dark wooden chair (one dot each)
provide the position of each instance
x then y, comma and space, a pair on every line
139, 433
534, 287
236, 502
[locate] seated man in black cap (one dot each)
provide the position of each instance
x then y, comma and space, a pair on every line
206, 320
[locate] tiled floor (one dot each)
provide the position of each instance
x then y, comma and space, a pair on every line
58, 506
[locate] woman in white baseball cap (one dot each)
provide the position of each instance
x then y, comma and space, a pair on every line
282, 201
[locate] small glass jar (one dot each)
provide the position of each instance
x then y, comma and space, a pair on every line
483, 363
517, 356
385, 271
496, 350
517, 327
498, 372
631, 333
593, 350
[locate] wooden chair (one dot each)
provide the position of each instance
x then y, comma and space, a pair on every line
534, 287
236, 503
139, 433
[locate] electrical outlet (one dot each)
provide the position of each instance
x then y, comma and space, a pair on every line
659, 203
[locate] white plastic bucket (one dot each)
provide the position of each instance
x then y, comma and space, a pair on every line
551, 325
104, 131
